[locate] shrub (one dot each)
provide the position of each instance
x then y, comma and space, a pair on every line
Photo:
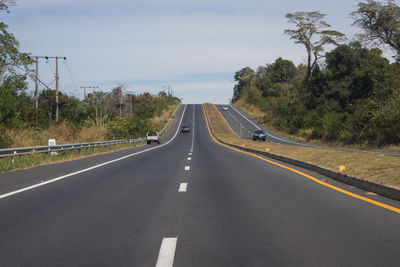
5, 141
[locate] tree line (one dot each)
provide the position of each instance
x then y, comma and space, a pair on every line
350, 94
107, 109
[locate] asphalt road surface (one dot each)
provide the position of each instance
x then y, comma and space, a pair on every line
189, 202
244, 126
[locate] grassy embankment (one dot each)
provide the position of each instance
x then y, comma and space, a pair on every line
260, 116
65, 134
372, 167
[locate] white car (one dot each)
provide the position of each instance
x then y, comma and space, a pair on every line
225, 108
153, 137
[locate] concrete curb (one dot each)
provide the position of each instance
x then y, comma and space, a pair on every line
380, 189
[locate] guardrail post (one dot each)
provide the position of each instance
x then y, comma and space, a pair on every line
52, 142
12, 157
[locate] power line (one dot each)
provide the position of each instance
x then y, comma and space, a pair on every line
70, 75
51, 68
45, 85
56, 76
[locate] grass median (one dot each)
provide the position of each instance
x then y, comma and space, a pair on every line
369, 166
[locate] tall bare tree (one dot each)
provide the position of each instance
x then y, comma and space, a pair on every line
311, 32
6, 4
380, 23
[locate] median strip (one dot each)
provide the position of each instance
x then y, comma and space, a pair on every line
209, 108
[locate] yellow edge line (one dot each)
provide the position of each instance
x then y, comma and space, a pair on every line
226, 122
380, 204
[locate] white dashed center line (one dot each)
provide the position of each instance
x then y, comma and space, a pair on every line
167, 252
189, 158
187, 168
190, 154
182, 187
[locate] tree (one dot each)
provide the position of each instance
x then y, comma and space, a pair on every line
13, 101
245, 78
6, 4
11, 59
380, 23
282, 70
310, 33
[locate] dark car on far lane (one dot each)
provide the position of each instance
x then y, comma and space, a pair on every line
185, 129
259, 135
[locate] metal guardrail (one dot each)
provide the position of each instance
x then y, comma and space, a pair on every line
19, 151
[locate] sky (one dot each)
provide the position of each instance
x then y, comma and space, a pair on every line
195, 47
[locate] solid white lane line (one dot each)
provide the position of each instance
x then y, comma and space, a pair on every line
189, 158
187, 168
167, 252
182, 187
93, 167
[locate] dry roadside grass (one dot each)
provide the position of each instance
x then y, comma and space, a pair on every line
160, 121
64, 133
259, 116
369, 166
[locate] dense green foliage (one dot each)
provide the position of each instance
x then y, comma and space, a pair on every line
355, 98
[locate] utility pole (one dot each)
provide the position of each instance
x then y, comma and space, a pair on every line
84, 92
94, 99
37, 86
56, 89
57, 78
120, 103
95, 103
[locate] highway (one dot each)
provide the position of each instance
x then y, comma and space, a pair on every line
244, 126
189, 202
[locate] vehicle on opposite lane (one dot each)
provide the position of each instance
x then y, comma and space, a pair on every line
225, 108
259, 135
185, 129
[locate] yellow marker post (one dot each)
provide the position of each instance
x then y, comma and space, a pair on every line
243, 145
267, 149
342, 168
